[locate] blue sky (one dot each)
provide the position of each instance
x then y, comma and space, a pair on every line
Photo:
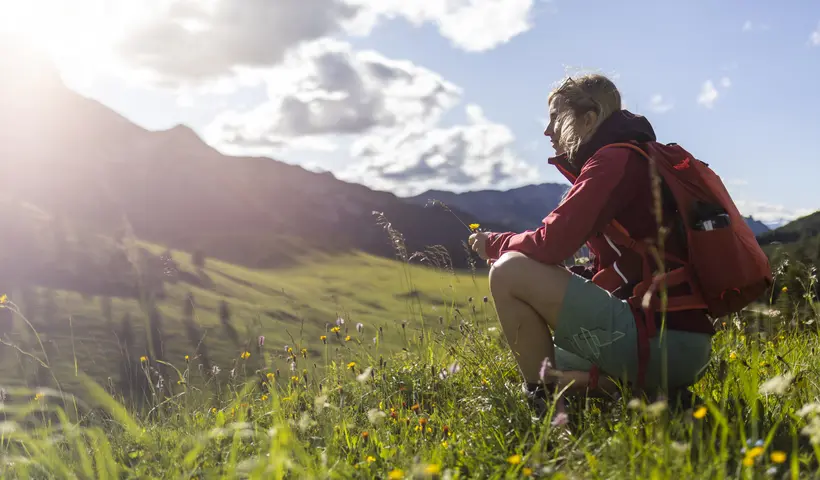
485, 118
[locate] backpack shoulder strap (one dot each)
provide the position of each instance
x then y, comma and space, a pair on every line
631, 146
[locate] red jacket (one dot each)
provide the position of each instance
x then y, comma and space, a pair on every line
612, 185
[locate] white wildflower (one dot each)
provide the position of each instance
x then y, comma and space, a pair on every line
320, 403
656, 408
680, 447
776, 385
375, 416
809, 409
362, 377
635, 404
305, 422
812, 430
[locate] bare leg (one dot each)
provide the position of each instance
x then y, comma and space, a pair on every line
528, 297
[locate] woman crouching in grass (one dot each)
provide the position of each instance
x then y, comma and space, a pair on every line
578, 318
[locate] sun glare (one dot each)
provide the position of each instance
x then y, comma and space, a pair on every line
78, 35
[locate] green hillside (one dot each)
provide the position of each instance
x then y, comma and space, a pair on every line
290, 306
803, 227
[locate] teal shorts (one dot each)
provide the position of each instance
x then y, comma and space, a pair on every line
596, 328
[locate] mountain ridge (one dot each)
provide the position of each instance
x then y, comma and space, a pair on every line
105, 174
522, 207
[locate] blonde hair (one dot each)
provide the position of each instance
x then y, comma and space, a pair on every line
578, 96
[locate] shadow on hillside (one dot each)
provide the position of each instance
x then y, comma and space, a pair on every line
225, 320
6, 329
424, 297
133, 382
199, 279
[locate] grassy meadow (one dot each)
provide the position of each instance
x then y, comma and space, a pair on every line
415, 383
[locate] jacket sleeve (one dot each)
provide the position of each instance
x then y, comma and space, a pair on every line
587, 208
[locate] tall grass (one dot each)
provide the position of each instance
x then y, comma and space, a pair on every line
447, 405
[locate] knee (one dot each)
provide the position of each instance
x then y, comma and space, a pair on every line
515, 271
505, 270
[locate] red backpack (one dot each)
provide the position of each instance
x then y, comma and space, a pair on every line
726, 269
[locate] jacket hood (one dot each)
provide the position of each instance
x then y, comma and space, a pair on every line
621, 126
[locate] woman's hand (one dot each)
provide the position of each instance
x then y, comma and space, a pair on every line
478, 243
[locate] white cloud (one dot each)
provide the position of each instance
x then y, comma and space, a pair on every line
770, 214
472, 25
658, 105
814, 38
327, 89
326, 94
709, 93
192, 43
749, 26
322, 94
463, 157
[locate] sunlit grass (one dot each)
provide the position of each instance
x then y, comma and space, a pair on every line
435, 395
446, 406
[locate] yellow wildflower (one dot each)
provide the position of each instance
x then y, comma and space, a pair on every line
269, 375
351, 365
143, 359
784, 289
432, 469
213, 410
778, 456
335, 329
347, 338
526, 471
294, 379
323, 338
245, 355
395, 475
264, 398
514, 460
749, 459
187, 358
38, 396
732, 355
370, 459
4, 299
700, 413
474, 226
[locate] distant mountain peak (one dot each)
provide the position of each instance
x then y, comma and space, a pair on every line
181, 130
